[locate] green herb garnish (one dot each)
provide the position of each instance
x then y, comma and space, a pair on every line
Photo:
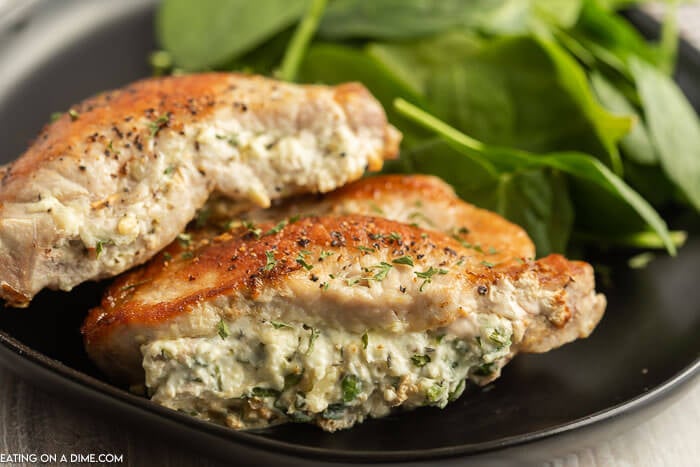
312, 338
185, 239
499, 338
256, 232
111, 149
407, 260
271, 261
264, 392
280, 325
292, 379
485, 369
457, 391
134, 285
351, 386
276, 229
222, 329
376, 209
434, 392
300, 259
99, 246
334, 412
202, 217
428, 274
159, 123
383, 269
231, 140
420, 360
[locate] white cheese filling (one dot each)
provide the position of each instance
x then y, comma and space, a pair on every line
254, 373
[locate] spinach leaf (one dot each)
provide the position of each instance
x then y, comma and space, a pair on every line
538, 200
495, 91
637, 144
610, 38
650, 182
562, 13
332, 64
612, 5
264, 59
416, 61
407, 19
473, 178
668, 43
643, 239
609, 128
576, 164
208, 33
411, 19
300, 40
674, 128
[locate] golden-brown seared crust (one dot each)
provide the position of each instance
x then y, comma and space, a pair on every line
237, 263
185, 98
423, 200
475, 226
236, 260
128, 169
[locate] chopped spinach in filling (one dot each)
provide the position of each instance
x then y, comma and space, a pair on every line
259, 373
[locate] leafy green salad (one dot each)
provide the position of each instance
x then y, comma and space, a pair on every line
557, 114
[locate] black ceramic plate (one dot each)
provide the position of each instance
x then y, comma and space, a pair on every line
643, 354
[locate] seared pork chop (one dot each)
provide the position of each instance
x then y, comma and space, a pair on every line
329, 320
116, 178
420, 200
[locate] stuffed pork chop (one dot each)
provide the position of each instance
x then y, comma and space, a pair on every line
116, 178
421, 200
329, 320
